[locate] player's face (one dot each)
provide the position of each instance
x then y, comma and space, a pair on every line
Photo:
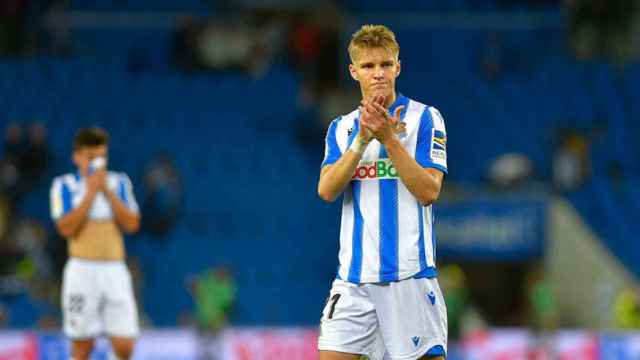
83, 156
376, 70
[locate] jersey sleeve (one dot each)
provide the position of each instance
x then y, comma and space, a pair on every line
431, 147
331, 150
125, 193
59, 199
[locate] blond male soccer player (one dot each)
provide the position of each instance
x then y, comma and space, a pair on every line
388, 158
91, 208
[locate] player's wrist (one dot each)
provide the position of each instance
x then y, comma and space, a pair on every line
359, 145
92, 191
390, 141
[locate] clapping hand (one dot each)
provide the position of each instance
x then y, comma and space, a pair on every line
376, 119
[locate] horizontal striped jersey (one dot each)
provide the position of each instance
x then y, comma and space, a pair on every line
67, 192
385, 233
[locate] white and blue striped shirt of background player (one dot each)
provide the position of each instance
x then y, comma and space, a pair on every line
385, 233
67, 192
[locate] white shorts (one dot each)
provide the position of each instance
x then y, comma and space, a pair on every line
407, 319
97, 298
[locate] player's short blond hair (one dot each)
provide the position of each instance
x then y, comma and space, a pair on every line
370, 37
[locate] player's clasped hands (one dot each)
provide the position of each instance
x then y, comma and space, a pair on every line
97, 180
376, 119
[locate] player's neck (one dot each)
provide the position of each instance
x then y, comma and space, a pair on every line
390, 100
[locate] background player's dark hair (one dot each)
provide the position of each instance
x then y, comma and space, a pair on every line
89, 137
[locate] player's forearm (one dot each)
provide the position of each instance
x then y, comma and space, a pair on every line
420, 182
69, 224
335, 177
128, 220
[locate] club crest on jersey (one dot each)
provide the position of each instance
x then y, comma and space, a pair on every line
400, 129
375, 170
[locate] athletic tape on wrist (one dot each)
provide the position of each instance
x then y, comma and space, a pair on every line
358, 147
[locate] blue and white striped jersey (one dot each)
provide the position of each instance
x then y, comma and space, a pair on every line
385, 233
67, 192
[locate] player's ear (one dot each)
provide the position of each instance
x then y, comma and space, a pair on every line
399, 67
352, 71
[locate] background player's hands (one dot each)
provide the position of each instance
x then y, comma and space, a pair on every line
97, 180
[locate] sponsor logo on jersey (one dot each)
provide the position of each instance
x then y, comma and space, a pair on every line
439, 140
438, 145
375, 170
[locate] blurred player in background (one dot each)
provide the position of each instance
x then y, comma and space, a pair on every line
389, 159
91, 208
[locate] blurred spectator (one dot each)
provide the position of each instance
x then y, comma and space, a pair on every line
13, 182
13, 142
615, 173
5, 217
492, 57
543, 315
37, 156
571, 162
510, 170
25, 263
13, 14
305, 45
314, 46
26, 159
627, 309
163, 196
34, 268
9, 167
530, 4
184, 43
218, 45
602, 28
224, 47
272, 32
9, 178
461, 313
34, 272
214, 293
10, 251
58, 35
4, 316
456, 297
500, 57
